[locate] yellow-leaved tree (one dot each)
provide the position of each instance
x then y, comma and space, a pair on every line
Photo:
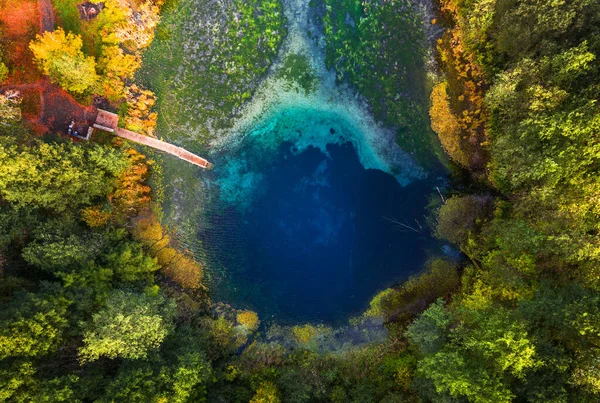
446, 125
115, 66
59, 56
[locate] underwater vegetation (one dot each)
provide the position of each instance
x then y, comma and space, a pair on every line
381, 48
297, 100
207, 59
297, 68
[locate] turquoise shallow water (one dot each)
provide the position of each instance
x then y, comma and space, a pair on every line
300, 233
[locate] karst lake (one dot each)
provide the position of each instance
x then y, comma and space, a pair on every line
305, 233
315, 204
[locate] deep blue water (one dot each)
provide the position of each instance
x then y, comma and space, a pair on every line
315, 242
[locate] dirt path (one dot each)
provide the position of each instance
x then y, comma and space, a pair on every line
46, 15
49, 108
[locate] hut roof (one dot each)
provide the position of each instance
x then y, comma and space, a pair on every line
106, 120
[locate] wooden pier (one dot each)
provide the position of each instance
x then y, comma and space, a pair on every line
178, 152
108, 121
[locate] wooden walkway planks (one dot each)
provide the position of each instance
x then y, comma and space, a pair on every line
163, 146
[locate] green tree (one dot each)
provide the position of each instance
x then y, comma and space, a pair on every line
178, 373
478, 358
461, 216
33, 324
15, 378
135, 382
128, 326
428, 332
499, 338
571, 312
20, 382
542, 26
53, 252
56, 176
60, 57
130, 263
458, 376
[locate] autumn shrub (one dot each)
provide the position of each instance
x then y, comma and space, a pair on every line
184, 270
462, 216
147, 229
401, 303
304, 334
95, 216
132, 192
267, 393
176, 265
446, 125
259, 356
248, 319
138, 30
223, 335
376, 304
140, 117
465, 91
115, 66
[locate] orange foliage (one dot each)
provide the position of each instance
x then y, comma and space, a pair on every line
148, 230
132, 193
140, 117
465, 91
95, 217
177, 266
165, 256
112, 88
184, 271
446, 125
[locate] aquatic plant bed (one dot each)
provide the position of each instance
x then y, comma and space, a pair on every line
380, 48
207, 59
